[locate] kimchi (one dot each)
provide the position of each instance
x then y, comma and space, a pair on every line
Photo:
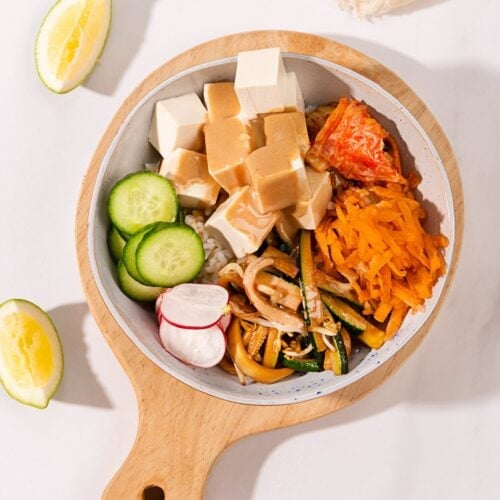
356, 145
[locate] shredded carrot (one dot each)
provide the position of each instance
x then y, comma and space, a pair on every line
395, 320
375, 239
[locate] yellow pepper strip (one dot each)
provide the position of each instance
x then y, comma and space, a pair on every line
347, 341
373, 337
246, 364
318, 339
283, 262
333, 362
227, 366
272, 349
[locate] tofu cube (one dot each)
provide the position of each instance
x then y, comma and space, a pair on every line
238, 224
188, 171
228, 143
287, 126
221, 100
293, 95
287, 228
256, 130
178, 123
260, 82
310, 210
278, 175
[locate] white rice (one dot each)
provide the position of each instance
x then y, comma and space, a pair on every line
216, 254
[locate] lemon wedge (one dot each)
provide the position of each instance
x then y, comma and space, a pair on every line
69, 42
31, 359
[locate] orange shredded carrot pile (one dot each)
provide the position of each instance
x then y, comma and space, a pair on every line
374, 238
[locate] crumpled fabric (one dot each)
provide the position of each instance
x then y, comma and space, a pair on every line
371, 8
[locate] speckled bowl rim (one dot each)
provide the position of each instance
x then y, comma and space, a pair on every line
378, 357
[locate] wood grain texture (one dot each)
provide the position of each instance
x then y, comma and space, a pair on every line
182, 431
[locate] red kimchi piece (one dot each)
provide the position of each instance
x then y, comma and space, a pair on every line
353, 142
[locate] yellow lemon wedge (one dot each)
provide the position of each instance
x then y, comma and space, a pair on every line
69, 42
31, 358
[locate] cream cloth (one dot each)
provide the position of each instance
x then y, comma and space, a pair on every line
371, 8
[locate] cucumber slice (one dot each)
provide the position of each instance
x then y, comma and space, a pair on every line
180, 215
170, 256
124, 235
135, 290
115, 244
130, 250
140, 199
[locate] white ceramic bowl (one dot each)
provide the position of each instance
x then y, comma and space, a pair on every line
321, 82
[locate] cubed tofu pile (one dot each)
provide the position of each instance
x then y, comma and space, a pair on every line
249, 138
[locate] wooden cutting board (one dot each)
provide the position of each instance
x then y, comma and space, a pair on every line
181, 430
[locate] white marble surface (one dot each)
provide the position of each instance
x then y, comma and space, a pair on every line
431, 432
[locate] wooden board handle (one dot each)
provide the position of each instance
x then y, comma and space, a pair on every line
175, 447
161, 467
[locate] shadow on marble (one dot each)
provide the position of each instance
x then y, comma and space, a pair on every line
79, 385
457, 364
128, 26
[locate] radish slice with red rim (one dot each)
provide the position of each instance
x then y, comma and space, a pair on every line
224, 322
194, 305
158, 304
158, 313
199, 347
158, 308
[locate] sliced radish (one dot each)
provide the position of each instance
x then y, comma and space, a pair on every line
158, 304
199, 347
194, 305
158, 308
158, 313
224, 322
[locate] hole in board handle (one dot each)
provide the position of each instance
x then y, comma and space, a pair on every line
153, 493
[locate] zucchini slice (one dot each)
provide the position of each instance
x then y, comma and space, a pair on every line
337, 288
313, 308
353, 322
303, 365
311, 300
339, 359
